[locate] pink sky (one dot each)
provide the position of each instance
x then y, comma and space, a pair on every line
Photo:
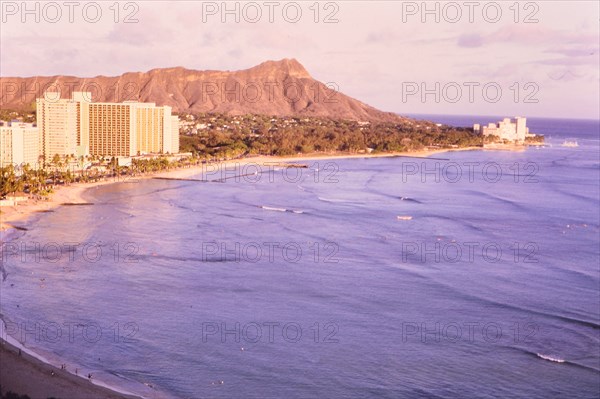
546, 63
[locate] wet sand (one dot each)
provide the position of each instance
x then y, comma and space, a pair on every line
26, 375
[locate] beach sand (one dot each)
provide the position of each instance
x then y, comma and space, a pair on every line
26, 375
62, 195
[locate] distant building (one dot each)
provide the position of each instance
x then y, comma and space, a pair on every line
512, 130
19, 144
81, 127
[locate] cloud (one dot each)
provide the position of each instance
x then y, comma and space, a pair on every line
575, 52
565, 75
526, 35
569, 61
136, 35
381, 37
148, 33
470, 40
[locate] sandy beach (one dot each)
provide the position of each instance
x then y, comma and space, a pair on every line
62, 195
26, 375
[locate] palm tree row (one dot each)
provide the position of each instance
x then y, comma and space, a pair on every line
40, 182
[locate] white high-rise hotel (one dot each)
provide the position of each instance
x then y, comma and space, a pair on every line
19, 144
506, 129
78, 126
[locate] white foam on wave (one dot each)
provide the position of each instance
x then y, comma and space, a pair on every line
550, 358
270, 208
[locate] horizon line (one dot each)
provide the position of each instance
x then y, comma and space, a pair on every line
410, 114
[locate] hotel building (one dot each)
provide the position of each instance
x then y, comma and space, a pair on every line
19, 144
81, 127
512, 130
59, 125
110, 130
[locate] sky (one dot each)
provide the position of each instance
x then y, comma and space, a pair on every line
527, 58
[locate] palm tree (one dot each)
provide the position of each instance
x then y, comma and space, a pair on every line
57, 162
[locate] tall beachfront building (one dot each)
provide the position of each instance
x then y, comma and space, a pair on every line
59, 124
19, 144
153, 125
108, 129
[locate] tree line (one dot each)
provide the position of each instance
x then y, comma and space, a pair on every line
221, 135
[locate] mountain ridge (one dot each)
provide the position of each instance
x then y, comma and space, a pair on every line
279, 88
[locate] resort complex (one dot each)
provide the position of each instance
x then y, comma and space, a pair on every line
79, 127
510, 130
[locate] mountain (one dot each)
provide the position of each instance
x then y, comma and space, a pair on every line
282, 88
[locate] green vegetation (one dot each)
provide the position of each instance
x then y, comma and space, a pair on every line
15, 179
538, 138
39, 182
216, 135
9, 115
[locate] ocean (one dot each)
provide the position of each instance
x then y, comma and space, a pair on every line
470, 274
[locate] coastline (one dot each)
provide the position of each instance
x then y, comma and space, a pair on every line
25, 374
73, 193
20, 371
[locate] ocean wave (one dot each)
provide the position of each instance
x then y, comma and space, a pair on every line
270, 208
154, 256
550, 358
334, 200
579, 320
410, 200
275, 209
554, 359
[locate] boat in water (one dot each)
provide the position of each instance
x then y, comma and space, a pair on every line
570, 143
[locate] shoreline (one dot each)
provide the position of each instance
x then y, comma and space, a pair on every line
23, 373
73, 193
15, 367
